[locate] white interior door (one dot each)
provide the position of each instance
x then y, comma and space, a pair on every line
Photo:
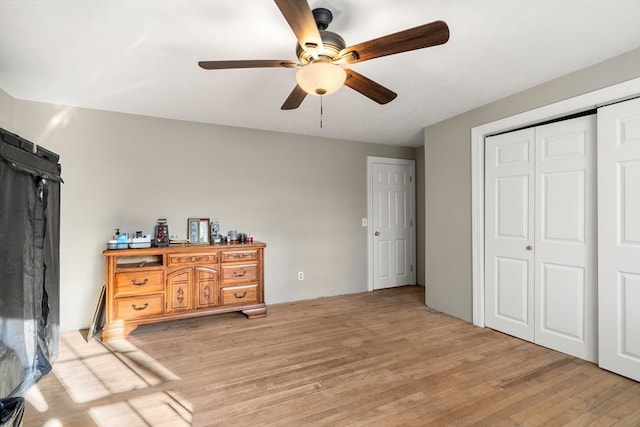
391, 217
540, 257
509, 237
565, 244
619, 238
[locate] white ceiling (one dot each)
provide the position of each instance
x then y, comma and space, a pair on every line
141, 57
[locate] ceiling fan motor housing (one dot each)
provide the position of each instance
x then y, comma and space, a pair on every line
332, 44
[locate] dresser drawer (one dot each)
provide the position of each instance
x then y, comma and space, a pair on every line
136, 282
139, 306
244, 255
192, 258
247, 294
239, 273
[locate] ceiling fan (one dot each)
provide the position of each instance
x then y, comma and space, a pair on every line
323, 55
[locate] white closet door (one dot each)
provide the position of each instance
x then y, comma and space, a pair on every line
619, 238
540, 242
509, 233
565, 243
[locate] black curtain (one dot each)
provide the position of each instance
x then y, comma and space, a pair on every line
29, 262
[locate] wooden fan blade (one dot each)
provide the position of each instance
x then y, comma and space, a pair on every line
260, 63
300, 19
369, 88
295, 98
427, 35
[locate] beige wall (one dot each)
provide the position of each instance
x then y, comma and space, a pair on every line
304, 196
448, 177
6, 111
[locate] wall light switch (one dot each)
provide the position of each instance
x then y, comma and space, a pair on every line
364, 222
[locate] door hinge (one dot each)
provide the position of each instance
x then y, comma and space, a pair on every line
410, 178
411, 267
410, 223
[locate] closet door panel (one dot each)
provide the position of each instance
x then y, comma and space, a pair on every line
509, 232
562, 296
619, 237
563, 198
565, 242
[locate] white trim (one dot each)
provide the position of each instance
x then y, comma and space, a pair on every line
562, 108
412, 189
426, 218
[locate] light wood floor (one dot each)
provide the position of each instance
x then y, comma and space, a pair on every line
373, 359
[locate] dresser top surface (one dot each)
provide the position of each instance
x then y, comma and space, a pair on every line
191, 248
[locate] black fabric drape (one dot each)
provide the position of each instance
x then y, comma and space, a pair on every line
29, 263
11, 411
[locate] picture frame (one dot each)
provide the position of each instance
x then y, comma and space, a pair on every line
198, 230
98, 316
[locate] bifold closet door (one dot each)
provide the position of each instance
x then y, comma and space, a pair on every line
509, 199
540, 248
619, 237
566, 295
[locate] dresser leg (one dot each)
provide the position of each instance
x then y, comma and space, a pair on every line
253, 313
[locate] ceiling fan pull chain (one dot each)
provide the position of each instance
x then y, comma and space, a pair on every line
321, 110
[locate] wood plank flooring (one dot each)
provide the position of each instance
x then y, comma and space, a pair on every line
373, 359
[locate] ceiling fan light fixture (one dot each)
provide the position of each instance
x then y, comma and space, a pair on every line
321, 78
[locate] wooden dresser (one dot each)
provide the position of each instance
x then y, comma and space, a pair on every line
157, 284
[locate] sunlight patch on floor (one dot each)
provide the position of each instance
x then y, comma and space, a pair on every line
36, 399
155, 409
90, 371
113, 384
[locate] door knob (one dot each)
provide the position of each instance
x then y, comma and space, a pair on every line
529, 248
377, 233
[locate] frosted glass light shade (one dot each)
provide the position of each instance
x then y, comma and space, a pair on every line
321, 78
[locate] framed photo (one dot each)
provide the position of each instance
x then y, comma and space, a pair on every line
198, 230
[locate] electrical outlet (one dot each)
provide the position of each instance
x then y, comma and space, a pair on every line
300, 275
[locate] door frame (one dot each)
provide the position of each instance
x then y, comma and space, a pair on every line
412, 200
577, 104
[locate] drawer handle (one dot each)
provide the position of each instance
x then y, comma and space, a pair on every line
134, 283
238, 296
240, 256
236, 274
194, 258
146, 304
